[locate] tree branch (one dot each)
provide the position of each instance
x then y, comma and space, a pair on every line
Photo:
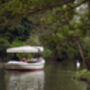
51, 7
30, 12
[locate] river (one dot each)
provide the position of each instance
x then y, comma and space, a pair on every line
56, 76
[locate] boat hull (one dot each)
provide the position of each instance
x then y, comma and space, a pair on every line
25, 70
23, 66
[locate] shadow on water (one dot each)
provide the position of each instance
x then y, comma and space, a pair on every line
2, 80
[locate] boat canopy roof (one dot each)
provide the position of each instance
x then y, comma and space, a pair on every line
25, 49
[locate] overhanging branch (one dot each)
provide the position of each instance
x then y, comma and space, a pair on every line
50, 8
30, 12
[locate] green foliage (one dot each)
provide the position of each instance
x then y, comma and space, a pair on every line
17, 43
14, 10
20, 55
60, 48
85, 24
58, 15
88, 56
47, 53
83, 74
86, 44
3, 45
21, 31
14, 36
61, 41
34, 40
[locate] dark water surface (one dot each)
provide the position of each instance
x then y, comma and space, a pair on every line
56, 76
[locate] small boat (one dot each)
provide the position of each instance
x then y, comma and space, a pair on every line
25, 66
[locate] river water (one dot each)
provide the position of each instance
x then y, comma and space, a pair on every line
56, 76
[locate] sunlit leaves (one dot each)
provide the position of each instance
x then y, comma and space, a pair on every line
17, 42
33, 40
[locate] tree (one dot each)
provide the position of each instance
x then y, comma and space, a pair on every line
15, 35
16, 9
61, 13
73, 31
70, 29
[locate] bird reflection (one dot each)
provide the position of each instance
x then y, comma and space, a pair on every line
24, 81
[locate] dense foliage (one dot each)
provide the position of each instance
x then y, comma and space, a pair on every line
15, 35
55, 26
61, 42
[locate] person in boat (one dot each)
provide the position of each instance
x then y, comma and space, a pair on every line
24, 59
39, 58
15, 58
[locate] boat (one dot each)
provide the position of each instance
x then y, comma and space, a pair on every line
33, 65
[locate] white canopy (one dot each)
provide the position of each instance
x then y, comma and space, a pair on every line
25, 49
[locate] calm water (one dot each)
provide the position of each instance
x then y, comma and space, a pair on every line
56, 76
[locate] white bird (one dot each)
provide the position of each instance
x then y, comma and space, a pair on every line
78, 64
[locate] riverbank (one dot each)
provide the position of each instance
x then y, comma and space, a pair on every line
83, 75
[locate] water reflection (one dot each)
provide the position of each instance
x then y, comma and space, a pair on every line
24, 81
80, 84
60, 77
88, 87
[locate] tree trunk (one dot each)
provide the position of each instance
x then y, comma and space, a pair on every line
82, 52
